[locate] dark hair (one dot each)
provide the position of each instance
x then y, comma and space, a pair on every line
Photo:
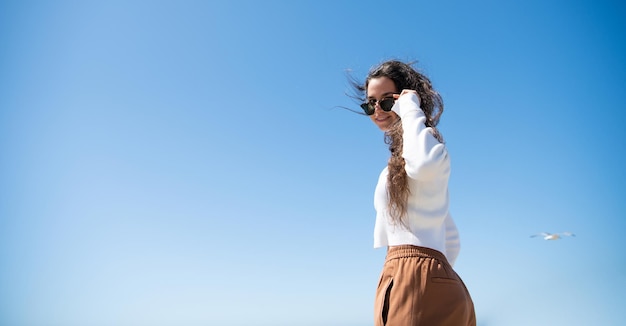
404, 76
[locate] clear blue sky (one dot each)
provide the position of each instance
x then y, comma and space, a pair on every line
186, 162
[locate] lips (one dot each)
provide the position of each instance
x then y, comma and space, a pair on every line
382, 118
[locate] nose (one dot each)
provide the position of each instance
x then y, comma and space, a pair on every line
377, 107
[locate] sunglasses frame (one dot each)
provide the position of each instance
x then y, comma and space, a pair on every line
369, 107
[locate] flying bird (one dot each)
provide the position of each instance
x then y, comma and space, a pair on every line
553, 236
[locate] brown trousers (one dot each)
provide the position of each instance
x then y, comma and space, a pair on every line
419, 287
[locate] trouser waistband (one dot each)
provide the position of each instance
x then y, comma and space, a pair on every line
403, 251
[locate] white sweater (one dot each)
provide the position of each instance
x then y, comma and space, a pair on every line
428, 169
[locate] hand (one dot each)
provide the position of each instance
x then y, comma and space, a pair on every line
408, 91
405, 92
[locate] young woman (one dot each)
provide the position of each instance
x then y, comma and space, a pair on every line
417, 285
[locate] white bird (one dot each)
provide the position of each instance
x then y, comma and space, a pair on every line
553, 236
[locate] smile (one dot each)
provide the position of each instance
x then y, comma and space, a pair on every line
383, 118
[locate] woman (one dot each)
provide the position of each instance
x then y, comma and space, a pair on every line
417, 285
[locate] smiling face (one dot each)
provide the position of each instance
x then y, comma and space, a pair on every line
378, 89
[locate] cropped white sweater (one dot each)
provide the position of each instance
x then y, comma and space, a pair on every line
428, 169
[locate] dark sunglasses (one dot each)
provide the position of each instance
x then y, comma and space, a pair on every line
370, 106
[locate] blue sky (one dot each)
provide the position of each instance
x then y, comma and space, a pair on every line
187, 162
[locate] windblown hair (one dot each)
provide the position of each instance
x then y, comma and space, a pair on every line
404, 76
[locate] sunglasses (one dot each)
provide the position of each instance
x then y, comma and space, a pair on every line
370, 106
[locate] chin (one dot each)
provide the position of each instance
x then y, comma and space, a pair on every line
385, 127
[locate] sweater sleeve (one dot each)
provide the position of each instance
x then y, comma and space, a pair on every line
425, 157
453, 242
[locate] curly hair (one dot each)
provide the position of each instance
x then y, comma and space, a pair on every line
404, 76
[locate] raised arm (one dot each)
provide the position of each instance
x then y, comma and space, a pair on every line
425, 157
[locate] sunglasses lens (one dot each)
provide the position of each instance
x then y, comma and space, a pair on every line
387, 104
368, 108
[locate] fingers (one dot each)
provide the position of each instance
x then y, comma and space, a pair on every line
407, 91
